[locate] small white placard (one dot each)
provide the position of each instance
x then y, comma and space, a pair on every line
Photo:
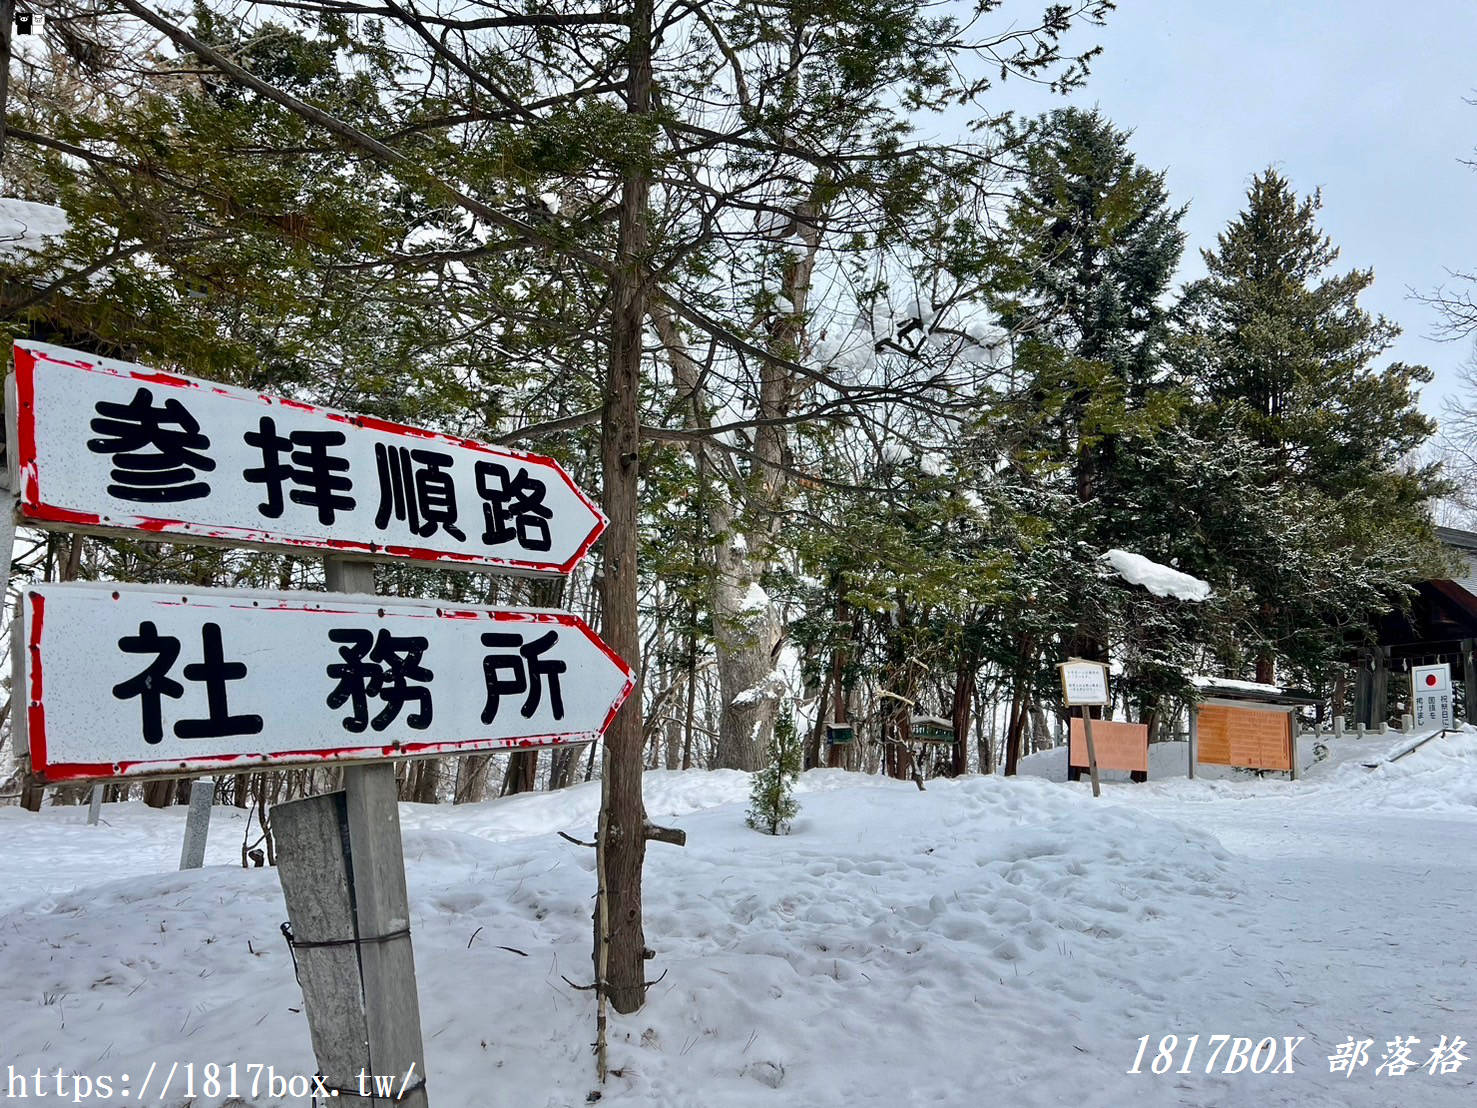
1084, 683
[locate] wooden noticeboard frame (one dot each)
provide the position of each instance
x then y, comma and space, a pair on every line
1118, 746
1243, 734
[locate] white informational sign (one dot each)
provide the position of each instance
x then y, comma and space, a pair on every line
104, 445
1084, 683
1430, 694
127, 680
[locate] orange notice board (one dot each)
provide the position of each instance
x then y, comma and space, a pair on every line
1249, 737
1122, 746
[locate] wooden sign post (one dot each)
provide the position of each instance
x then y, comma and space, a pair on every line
121, 681
1085, 685
342, 868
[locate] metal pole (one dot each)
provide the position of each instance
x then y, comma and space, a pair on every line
1292, 744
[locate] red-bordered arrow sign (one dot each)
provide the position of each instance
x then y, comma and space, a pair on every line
129, 680
109, 446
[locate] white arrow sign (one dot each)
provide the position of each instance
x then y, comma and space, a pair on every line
128, 680
106, 446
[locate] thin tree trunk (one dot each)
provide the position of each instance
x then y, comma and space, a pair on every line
522, 775
836, 755
1266, 668
158, 794
471, 779
620, 965
816, 747
1015, 727
563, 762
691, 711
963, 702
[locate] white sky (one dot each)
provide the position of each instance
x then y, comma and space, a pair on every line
1365, 99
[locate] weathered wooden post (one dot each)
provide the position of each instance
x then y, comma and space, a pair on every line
369, 880
1091, 751
322, 931
95, 806
342, 869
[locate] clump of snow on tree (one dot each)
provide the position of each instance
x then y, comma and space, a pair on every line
784, 680
1161, 580
755, 598
26, 226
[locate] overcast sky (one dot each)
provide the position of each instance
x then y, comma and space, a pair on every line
1365, 99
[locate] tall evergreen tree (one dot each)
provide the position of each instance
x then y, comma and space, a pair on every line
1282, 349
1093, 243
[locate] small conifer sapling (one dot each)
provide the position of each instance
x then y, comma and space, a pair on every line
772, 805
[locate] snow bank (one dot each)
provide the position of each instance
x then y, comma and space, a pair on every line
988, 941
1159, 579
833, 966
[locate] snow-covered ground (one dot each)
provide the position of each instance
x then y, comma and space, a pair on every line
985, 942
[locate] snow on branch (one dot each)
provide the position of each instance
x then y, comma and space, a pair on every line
1159, 579
25, 226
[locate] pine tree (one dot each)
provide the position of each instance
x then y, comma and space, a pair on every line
1281, 350
1092, 246
772, 805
